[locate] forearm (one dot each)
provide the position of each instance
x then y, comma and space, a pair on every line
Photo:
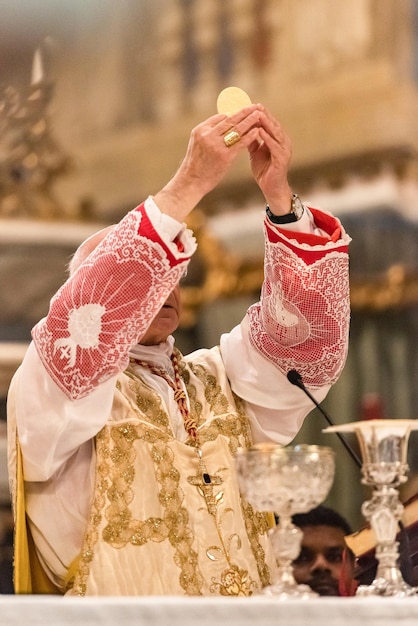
302, 320
276, 408
179, 197
108, 304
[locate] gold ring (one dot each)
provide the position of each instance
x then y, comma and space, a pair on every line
231, 138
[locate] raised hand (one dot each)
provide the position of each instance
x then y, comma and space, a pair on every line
270, 157
208, 158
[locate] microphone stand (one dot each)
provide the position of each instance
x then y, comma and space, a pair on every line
295, 378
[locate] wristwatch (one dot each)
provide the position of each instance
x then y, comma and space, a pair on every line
296, 212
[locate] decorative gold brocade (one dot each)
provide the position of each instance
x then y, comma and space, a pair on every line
237, 430
115, 448
257, 524
112, 507
234, 581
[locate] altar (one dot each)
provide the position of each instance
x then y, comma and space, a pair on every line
203, 611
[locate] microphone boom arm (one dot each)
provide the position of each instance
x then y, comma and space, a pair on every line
295, 378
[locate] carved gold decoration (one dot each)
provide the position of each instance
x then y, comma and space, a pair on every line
30, 158
397, 288
225, 275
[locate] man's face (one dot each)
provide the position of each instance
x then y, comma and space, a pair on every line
319, 564
166, 321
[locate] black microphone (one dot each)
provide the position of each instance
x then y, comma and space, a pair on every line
295, 378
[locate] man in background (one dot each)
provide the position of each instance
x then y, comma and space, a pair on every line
325, 563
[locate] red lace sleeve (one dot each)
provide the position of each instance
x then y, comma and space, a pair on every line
107, 305
302, 320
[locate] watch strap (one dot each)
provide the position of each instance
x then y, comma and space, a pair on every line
296, 212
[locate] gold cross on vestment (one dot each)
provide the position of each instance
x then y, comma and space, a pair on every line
205, 483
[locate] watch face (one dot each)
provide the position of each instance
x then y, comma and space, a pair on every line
297, 206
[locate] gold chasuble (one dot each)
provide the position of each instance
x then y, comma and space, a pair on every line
167, 517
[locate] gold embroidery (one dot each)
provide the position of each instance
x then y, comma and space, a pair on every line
79, 582
116, 454
148, 402
257, 524
234, 582
121, 528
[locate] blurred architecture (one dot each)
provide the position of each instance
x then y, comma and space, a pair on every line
97, 100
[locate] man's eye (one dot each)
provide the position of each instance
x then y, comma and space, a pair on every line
334, 556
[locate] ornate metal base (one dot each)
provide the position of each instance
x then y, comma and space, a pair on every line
387, 588
384, 446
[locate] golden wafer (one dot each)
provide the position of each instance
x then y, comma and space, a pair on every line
231, 100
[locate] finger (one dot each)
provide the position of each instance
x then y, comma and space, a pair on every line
213, 122
241, 130
247, 139
269, 117
244, 119
256, 147
276, 145
273, 128
237, 117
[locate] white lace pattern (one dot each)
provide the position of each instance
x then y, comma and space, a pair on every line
105, 308
302, 320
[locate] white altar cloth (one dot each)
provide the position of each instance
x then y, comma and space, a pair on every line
196, 611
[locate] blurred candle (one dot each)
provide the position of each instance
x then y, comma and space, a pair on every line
37, 67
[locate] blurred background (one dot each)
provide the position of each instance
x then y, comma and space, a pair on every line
97, 99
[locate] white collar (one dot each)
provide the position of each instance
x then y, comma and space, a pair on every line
159, 354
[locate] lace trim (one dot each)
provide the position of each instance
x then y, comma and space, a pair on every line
302, 320
99, 313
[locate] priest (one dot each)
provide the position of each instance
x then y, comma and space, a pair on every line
122, 449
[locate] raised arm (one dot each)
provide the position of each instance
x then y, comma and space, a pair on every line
107, 305
302, 319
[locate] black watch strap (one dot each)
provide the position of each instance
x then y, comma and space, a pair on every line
295, 214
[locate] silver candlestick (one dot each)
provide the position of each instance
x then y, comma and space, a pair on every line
383, 445
285, 480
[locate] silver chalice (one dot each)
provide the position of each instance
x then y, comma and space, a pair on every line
383, 445
285, 480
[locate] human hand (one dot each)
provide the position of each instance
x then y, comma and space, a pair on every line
207, 160
270, 158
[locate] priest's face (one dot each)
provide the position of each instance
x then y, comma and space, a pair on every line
165, 322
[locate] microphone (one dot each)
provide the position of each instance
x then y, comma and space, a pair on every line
295, 378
